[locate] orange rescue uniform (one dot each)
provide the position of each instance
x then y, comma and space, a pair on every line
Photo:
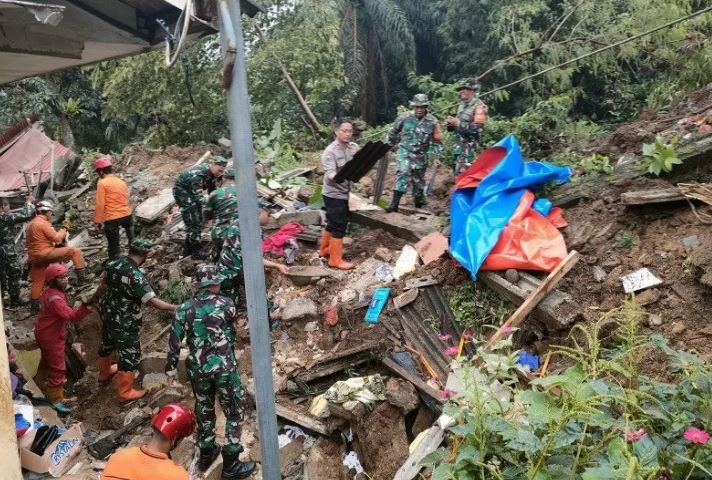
140, 463
40, 240
112, 199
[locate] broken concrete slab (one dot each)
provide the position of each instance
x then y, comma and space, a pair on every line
298, 309
304, 217
411, 228
432, 247
154, 207
155, 362
556, 311
383, 442
305, 275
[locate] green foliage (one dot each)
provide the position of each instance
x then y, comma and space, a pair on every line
142, 91
273, 152
625, 240
475, 307
660, 157
579, 424
176, 292
596, 164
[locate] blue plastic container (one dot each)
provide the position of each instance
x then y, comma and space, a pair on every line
378, 301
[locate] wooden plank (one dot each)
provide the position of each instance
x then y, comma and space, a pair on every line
154, 207
332, 367
9, 458
203, 158
417, 382
295, 172
411, 228
652, 196
306, 421
536, 296
556, 310
430, 442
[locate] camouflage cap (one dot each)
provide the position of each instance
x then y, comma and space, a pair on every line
469, 84
219, 160
140, 245
207, 275
229, 173
420, 100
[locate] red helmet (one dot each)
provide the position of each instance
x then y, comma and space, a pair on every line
174, 421
54, 270
102, 162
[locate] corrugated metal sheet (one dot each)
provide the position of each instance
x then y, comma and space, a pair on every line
32, 152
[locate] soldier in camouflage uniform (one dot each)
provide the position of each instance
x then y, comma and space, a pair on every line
419, 135
188, 194
222, 209
9, 263
230, 264
126, 290
467, 124
207, 322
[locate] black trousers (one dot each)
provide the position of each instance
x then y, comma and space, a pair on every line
337, 216
111, 230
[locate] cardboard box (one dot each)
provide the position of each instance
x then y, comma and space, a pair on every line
58, 456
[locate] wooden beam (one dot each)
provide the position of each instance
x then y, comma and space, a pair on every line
536, 296
417, 382
306, 421
430, 442
652, 196
9, 459
331, 367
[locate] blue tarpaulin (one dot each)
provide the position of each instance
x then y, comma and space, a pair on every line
479, 215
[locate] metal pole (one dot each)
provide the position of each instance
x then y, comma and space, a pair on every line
238, 107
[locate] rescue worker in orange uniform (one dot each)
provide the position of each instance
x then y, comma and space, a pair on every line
152, 461
51, 333
42, 249
112, 208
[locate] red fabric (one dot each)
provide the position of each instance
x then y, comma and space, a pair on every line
556, 217
480, 168
51, 332
528, 242
275, 242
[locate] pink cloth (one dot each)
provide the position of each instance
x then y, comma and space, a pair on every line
275, 242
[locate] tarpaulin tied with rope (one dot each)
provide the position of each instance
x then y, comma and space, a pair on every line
496, 223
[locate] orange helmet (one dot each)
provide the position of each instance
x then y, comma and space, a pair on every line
102, 162
174, 421
54, 270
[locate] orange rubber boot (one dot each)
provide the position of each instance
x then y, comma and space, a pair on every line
106, 369
336, 247
124, 387
324, 248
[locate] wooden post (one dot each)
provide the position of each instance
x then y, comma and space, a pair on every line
536, 296
9, 456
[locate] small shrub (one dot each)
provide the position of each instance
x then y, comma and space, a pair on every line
625, 240
660, 157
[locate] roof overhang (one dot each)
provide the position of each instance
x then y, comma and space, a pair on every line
88, 31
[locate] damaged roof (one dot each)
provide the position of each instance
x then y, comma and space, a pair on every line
38, 37
29, 150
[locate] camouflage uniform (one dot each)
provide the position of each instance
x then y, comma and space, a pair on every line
188, 194
9, 263
222, 208
418, 137
230, 263
466, 136
207, 321
120, 311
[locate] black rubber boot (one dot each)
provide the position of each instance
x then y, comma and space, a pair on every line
420, 203
393, 207
234, 468
34, 306
207, 457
